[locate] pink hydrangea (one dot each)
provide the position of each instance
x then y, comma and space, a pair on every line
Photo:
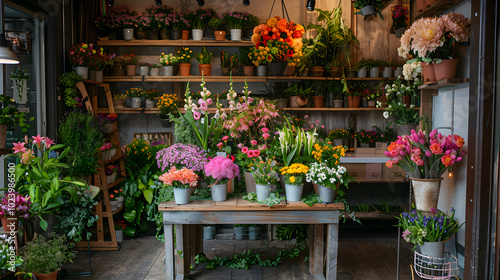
221, 169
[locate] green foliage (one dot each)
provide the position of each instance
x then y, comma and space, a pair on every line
247, 258
75, 219
364, 207
244, 56
6, 252
289, 232
273, 199
45, 255
80, 132
68, 81
183, 132
204, 57
10, 116
311, 199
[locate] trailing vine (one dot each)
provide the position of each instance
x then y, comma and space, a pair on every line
69, 80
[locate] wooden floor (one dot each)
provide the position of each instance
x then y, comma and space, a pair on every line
364, 253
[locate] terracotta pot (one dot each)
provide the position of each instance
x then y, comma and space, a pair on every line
118, 103
248, 70
301, 100
50, 276
3, 135
335, 72
421, 5
407, 100
185, 34
316, 71
430, 3
206, 69
9, 221
185, 69
140, 35
220, 35
428, 75
353, 101
447, 69
131, 70
318, 101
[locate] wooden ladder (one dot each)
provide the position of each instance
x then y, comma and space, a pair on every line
103, 209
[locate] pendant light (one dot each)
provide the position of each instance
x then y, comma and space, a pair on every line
7, 56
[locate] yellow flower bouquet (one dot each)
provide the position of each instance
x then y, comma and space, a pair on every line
294, 174
184, 55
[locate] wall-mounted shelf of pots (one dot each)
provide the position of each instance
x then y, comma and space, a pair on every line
332, 109
297, 78
142, 111
439, 7
444, 83
174, 43
208, 79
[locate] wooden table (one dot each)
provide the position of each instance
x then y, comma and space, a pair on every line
239, 211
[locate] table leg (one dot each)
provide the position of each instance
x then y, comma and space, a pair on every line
319, 248
169, 252
180, 256
332, 244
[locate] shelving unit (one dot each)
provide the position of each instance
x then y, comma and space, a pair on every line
183, 79
173, 43
438, 8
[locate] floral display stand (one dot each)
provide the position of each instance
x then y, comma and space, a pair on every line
239, 211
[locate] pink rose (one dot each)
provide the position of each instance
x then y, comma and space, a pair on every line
253, 142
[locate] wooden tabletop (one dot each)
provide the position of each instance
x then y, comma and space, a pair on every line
239, 204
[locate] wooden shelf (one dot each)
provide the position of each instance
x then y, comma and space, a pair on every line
6, 151
438, 8
197, 79
143, 111
227, 79
444, 83
118, 210
173, 43
333, 109
115, 183
115, 158
376, 215
298, 78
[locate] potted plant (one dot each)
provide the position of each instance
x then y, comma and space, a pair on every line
79, 57
136, 95
369, 7
167, 105
294, 176
217, 24
235, 20
204, 59
332, 45
426, 168
429, 232
338, 135
399, 17
336, 91
20, 78
184, 56
120, 225
276, 91
119, 100
354, 94
260, 61
127, 21
249, 25
168, 61
151, 95
142, 25
219, 170
143, 68
111, 170
404, 114
98, 62
36, 263
117, 66
180, 27
108, 151
298, 95
245, 57
81, 133
361, 68
209, 232
199, 20
154, 70
131, 63
9, 261
371, 98
10, 118
75, 220
367, 139
184, 181
265, 175
14, 207
240, 231
118, 193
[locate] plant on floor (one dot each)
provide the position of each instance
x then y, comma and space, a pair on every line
81, 133
74, 220
44, 255
289, 232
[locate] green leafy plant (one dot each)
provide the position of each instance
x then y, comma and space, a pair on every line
80, 132
45, 255
204, 57
69, 80
8, 259
311, 199
377, 4
273, 199
10, 116
244, 56
20, 74
216, 23
75, 219
294, 231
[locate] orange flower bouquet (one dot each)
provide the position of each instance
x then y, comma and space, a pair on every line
278, 40
183, 178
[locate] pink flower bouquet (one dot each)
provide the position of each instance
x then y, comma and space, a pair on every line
14, 204
220, 169
425, 156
